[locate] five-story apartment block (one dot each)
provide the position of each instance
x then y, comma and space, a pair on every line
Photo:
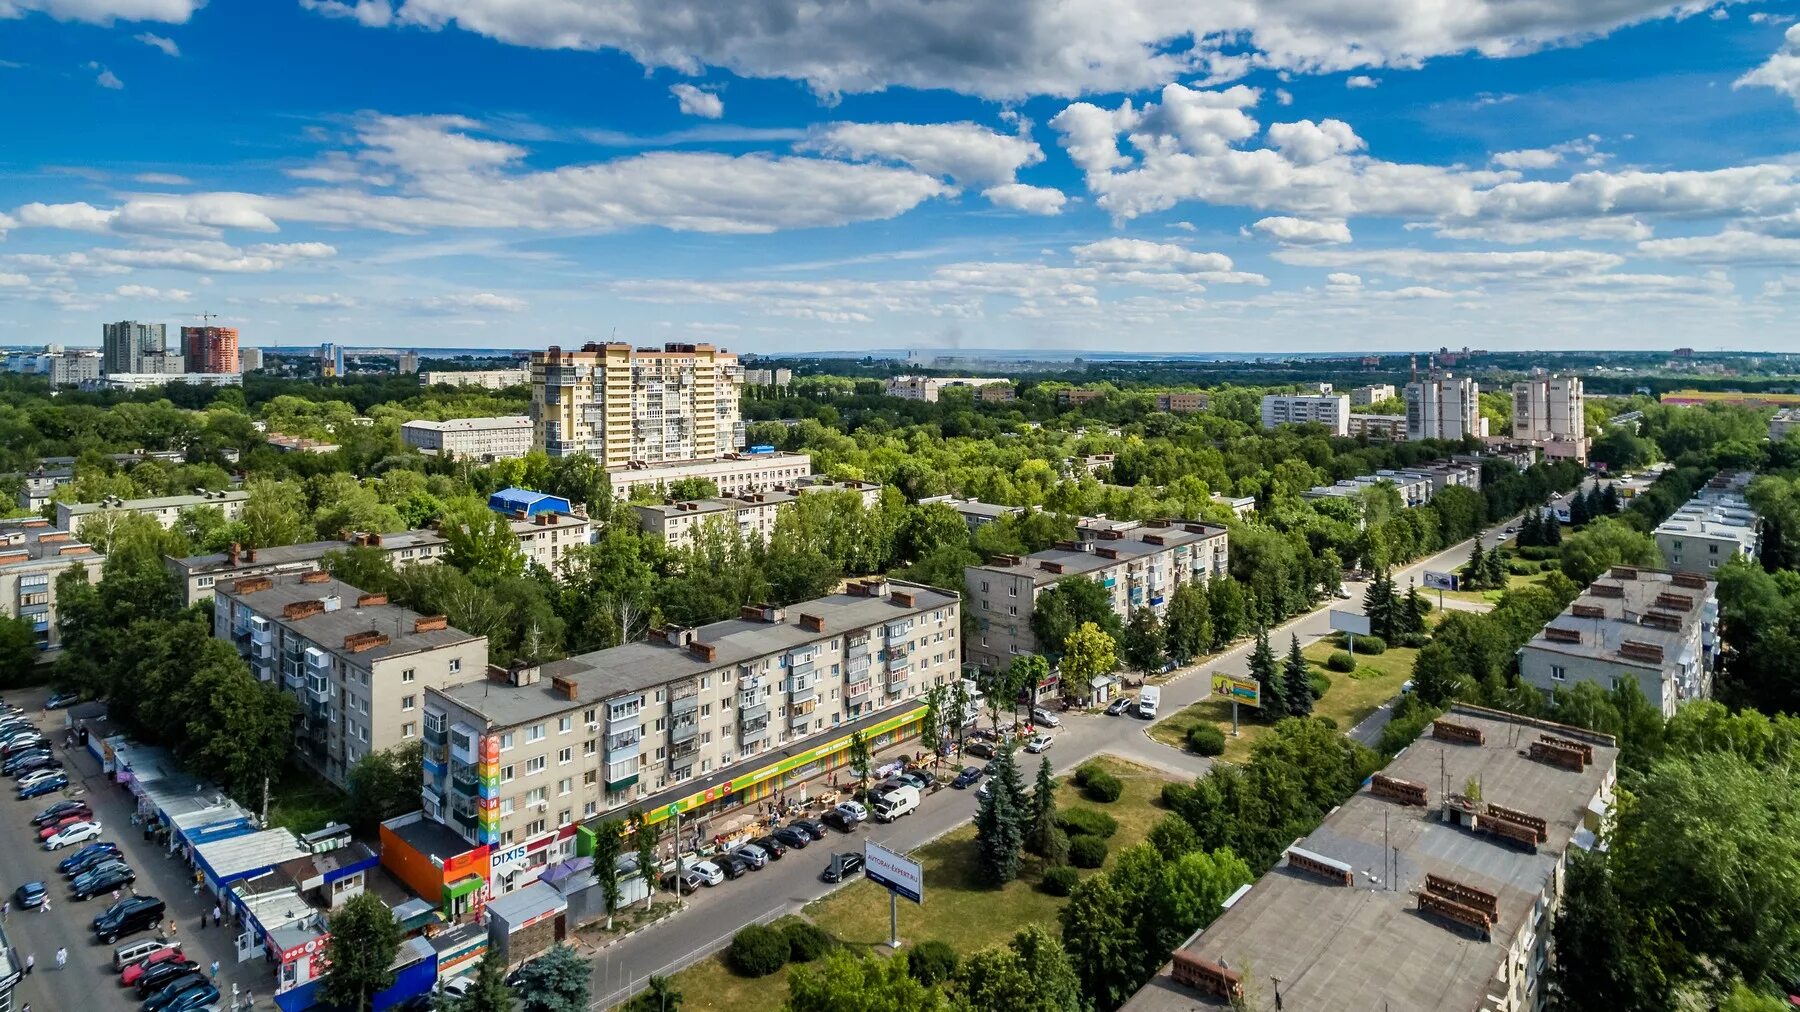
358, 665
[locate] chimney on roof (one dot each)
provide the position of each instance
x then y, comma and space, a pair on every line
356, 643
705, 651
430, 623
231, 555
249, 555
565, 688
316, 576
371, 600
812, 623
251, 585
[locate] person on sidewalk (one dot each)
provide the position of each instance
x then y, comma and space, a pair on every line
62, 958
218, 915
215, 969
30, 961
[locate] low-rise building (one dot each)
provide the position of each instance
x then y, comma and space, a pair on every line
693, 721
358, 665
133, 381
33, 553
1139, 568
199, 574
486, 439
1417, 485
1329, 410
1786, 420
1411, 896
1378, 428
1656, 628
734, 474
300, 444
681, 524
166, 509
1074, 397
975, 513
928, 388
1183, 402
1713, 528
997, 393
486, 379
1241, 506
1374, 393
547, 526
1103, 528
868, 491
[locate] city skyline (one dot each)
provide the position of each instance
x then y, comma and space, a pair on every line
468, 174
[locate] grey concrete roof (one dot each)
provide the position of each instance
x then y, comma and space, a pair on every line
329, 629
712, 504
278, 556
160, 502
472, 424
250, 852
1621, 618
1080, 562
1368, 946
29, 534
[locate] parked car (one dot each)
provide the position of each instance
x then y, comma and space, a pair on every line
839, 820
793, 836
710, 874
61, 700
810, 828
914, 780
39, 788
993, 766
102, 880
457, 987
134, 972
969, 775
732, 866
984, 790
681, 882
855, 810
128, 917
41, 764
755, 856
1118, 706
21, 761
155, 976
28, 776
1039, 715
87, 857
30, 895
1039, 743
771, 846
980, 749
80, 832
112, 863
1342, 593
189, 999
45, 832
842, 866
61, 808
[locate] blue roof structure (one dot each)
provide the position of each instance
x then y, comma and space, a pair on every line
525, 502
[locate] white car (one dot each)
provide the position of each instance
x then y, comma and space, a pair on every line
1342, 593
1039, 715
458, 986
1039, 743
709, 873
76, 833
37, 776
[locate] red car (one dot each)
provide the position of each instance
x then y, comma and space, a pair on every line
129, 976
61, 824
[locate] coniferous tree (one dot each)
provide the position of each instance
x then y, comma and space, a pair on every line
1043, 809
1378, 604
997, 836
1609, 500
1014, 785
1531, 530
1413, 611
1475, 573
1496, 570
1267, 672
1552, 531
1297, 687
1578, 511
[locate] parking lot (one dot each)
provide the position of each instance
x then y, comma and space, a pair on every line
88, 982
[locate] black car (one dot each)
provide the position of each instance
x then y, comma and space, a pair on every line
842, 866
992, 767
839, 820
83, 859
159, 974
104, 880
732, 865
30, 766
793, 836
980, 749
57, 811
810, 828
15, 763
128, 917
969, 775
165, 995
771, 846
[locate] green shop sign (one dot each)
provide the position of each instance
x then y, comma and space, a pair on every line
787, 765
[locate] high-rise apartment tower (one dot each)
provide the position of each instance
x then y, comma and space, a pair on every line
624, 405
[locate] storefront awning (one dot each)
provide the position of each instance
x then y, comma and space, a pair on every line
457, 890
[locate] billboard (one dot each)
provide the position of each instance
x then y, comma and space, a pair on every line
1350, 622
894, 872
1440, 581
1237, 689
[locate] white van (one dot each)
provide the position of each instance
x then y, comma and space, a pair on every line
895, 803
1148, 699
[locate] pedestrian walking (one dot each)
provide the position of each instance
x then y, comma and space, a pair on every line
215, 969
217, 915
115, 896
62, 958
174, 929
30, 961
6, 911
44, 907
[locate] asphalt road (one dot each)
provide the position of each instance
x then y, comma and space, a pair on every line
88, 983
784, 886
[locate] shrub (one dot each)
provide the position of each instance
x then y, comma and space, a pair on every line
1176, 795
806, 941
1103, 787
1328, 722
1080, 822
1061, 881
1056, 848
1415, 640
931, 961
1341, 662
758, 951
1538, 552
1524, 567
1172, 837
1371, 645
1087, 852
1202, 739
1318, 683
1086, 771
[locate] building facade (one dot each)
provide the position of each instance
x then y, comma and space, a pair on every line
250, 359
683, 524
1139, 568
1551, 413
487, 439
129, 382
929, 388
210, 349
358, 665
73, 368
1374, 393
486, 379
693, 721
621, 404
199, 574
166, 509
1656, 628
1444, 406
547, 526
735, 474
1378, 428
1713, 528
1183, 402
33, 553
124, 346
975, 513
1329, 410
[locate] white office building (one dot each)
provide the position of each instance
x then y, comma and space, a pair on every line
485, 439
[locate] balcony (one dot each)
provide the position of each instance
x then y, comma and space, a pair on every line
683, 706
464, 816
751, 711
858, 692
800, 721
464, 781
683, 732
434, 736
748, 736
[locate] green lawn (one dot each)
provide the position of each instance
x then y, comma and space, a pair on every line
1351, 698
957, 909
1486, 596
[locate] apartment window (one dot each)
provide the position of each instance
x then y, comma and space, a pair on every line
565, 785
506, 806
535, 827
591, 808
590, 746
705, 709
406, 729
534, 733
592, 716
537, 795
564, 725
536, 764
506, 741
565, 817
455, 665
590, 778
506, 774
1558, 673
406, 702
565, 756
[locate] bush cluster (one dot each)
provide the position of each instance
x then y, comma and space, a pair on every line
1341, 662
1061, 881
1318, 683
806, 941
1080, 822
1087, 852
1206, 739
1371, 645
758, 951
931, 961
1102, 786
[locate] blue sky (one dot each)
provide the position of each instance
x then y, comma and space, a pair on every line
1164, 175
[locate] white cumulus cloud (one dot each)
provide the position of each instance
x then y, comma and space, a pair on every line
167, 45
1030, 199
1781, 71
968, 153
104, 12
1302, 231
697, 101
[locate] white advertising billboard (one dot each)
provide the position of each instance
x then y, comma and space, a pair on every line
1350, 622
894, 872
1440, 581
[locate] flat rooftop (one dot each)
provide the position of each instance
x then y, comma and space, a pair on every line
1367, 945
159, 502
635, 667
1643, 606
220, 562
39, 540
329, 629
471, 424
1065, 562
715, 504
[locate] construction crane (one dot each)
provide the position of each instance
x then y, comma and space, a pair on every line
206, 319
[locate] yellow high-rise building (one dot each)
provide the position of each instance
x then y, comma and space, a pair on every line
624, 405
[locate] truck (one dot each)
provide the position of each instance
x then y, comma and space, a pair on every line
896, 802
1147, 702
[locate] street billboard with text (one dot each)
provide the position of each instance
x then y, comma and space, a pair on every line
1350, 622
1440, 581
1238, 689
895, 873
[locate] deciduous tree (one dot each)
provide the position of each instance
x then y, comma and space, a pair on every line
361, 947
